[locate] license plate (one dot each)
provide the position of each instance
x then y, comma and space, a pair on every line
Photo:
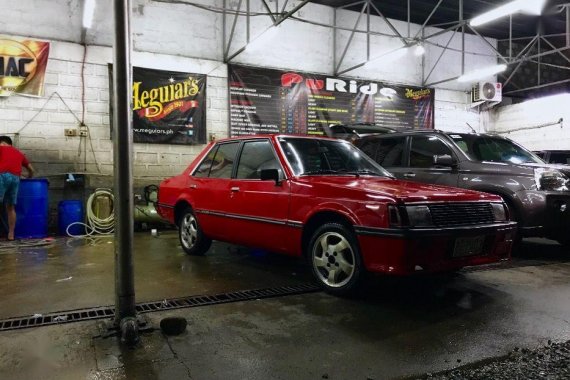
468, 246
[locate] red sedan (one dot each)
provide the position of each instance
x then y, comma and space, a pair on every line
326, 200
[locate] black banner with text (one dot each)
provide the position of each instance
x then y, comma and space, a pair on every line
275, 101
169, 107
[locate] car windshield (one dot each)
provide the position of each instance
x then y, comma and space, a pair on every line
319, 156
495, 149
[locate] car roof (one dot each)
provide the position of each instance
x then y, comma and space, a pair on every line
273, 136
425, 131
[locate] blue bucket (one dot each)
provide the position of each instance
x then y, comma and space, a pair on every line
70, 212
32, 209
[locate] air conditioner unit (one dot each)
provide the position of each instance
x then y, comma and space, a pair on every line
487, 92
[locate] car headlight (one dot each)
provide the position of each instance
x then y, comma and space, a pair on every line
419, 216
499, 212
551, 180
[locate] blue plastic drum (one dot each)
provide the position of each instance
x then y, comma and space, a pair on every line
32, 209
70, 212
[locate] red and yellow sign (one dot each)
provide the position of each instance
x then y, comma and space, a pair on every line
22, 66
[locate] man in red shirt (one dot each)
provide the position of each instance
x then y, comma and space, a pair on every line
11, 163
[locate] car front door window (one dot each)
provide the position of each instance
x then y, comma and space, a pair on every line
424, 148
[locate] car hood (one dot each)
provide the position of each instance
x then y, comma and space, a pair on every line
563, 168
397, 190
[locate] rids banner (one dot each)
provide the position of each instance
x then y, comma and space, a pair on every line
169, 107
22, 66
275, 101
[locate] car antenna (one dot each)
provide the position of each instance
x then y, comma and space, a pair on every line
472, 129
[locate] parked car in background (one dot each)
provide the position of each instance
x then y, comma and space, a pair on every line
323, 199
537, 194
561, 157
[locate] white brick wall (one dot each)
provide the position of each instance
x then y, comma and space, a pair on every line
184, 38
531, 114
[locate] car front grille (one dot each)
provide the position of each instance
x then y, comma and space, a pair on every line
461, 214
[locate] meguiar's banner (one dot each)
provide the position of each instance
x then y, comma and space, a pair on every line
276, 101
22, 66
169, 107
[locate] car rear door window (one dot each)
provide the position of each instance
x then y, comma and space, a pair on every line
388, 152
424, 148
223, 160
255, 157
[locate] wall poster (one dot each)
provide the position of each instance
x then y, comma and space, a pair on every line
276, 101
23, 65
169, 107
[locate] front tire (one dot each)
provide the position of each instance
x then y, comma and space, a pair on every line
192, 238
335, 259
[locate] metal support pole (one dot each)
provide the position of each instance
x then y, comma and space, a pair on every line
247, 20
224, 29
462, 37
122, 153
334, 38
568, 25
538, 65
368, 30
409, 18
510, 37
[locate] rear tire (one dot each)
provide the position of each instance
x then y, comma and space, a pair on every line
192, 238
335, 259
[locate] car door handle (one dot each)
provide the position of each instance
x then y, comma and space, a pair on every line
409, 175
235, 189
193, 186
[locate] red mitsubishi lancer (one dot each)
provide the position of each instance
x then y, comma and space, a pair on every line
325, 200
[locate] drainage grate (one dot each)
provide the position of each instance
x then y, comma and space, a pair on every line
146, 307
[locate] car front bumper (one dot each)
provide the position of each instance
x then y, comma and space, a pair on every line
545, 213
415, 251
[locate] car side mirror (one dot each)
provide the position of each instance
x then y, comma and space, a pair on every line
270, 175
444, 160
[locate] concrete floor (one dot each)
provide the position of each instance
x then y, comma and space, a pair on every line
396, 328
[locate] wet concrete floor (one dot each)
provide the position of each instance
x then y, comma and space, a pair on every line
395, 328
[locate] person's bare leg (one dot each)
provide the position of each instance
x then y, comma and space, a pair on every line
11, 211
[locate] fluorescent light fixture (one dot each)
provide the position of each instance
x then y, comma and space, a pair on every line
88, 11
482, 73
526, 6
419, 50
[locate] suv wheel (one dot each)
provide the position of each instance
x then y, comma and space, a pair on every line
191, 236
335, 259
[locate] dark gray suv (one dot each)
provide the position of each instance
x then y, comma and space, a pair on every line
537, 194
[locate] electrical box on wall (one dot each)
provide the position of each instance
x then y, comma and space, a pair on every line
487, 92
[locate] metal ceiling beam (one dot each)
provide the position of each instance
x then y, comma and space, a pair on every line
440, 56
520, 63
339, 63
392, 27
538, 86
291, 12
229, 44
554, 47
269, 11
428, 18
499, 55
